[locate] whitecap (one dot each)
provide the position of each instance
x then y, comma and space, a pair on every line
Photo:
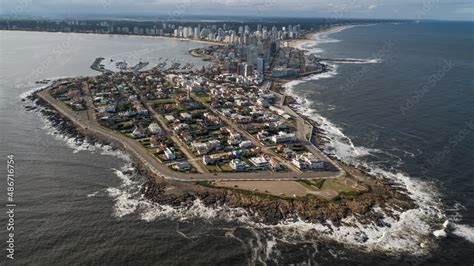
465, 231
355, 60
93, 194
414, 227
30, 92
125, 204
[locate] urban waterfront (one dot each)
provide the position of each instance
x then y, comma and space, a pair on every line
100, 206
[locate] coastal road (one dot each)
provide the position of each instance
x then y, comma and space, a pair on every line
181, 145
161, 170
249, 136
301, 131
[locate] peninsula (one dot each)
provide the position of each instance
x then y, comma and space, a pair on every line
223, 135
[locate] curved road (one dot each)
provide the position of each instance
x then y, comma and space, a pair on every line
86, 120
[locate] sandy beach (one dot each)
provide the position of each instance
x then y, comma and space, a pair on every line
132, 35
313, 36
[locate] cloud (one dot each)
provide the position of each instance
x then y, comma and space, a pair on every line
439, 9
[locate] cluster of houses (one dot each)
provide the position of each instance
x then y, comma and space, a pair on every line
308, 161
249, 68
119, 107
203, 112
257, 163
117, 102
246, 106
253, 107
221, 144
204, 148
72, 95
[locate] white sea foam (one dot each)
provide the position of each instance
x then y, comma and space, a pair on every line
33, 90
455, 212
129, 199
124, 202
355, 61
108, 150
71, 142
36, 87
93, 194
408, 234
313, 46
465, 231
413, 231
320, 38
414, 227
80, 145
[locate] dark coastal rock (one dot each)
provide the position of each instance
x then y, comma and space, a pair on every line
268, 210
29, 107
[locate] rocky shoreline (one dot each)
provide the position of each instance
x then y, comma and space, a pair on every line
263, 208
66, 128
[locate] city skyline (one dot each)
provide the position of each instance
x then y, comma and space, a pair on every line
339, 9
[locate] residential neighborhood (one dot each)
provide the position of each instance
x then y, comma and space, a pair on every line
197, 121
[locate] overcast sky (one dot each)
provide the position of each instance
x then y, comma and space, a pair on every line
397, 9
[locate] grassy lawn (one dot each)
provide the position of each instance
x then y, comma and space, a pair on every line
313, 184
226, 168
268, 143
151, 150
331, 188
191, 171
145, 143
299, 149
213, 168
174, 95
337, 186
203, 97
247, 161
163, 101
157, 156
126, 124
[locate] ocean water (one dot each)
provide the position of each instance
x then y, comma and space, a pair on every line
406, 111
75, 204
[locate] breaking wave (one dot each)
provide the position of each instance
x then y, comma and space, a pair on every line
30, 92
425, 194
320, 38
355, 61
465, 231
312, 46
413, 231
72, 142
